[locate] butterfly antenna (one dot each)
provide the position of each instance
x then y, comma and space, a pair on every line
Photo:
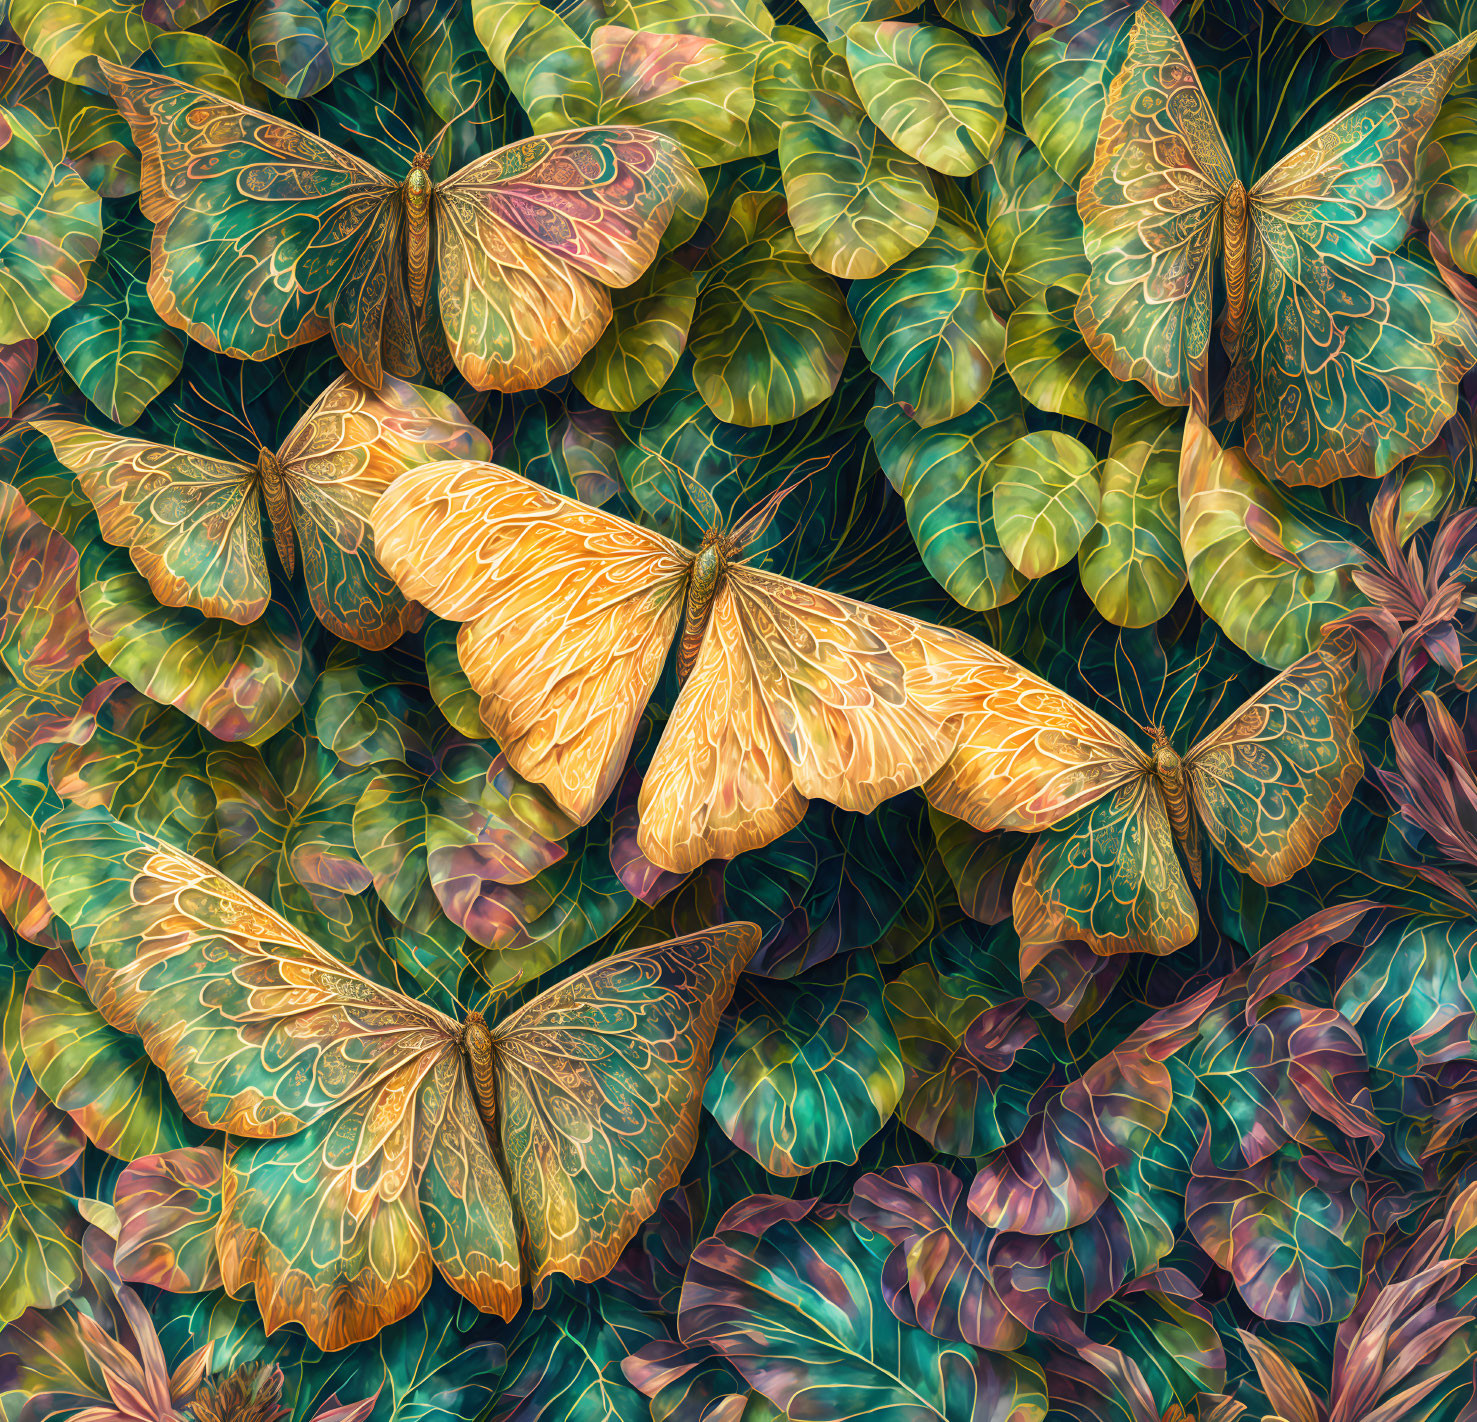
1193, 670
760, 518
240, 424
482, 93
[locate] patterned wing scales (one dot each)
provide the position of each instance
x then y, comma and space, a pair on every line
600, 1086
569, 614
1271, 783
796, 694
1151, 211
340, 458
528, 238
1109, 877
360, 1166
265, 237
191, 522
1356, 351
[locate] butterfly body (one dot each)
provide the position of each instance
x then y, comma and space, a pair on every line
1169, 771
709, 565
273, 480
480, 1051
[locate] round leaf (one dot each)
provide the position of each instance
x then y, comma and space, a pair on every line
1052, 367
647, 334
1046, 498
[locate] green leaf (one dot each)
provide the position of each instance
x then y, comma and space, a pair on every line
1131, 563
1052, 367
979, 17
50, 227
112, 342
929, 91
548, 67
798, 1309
70, 36
100, 1076
449, 686
835, 17
290, 53
97, 139
1033, 233
199, 60
1272, 592
945, 475
811, 1071
770, 335
1448, 176
927, 328
1046, 499
442, 47
857, 202
647, 334
698, 91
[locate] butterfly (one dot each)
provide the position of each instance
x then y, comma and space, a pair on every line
267, 236
1344, 355
788, 693
1266, 788
193, 526
370, 1137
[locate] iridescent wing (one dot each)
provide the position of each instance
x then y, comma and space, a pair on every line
1108, 876
569, 614
265, 236
1355, 352
528, 238
1271, 783
363, 1159
191, 522
1151, 212
600, 1084
339, 459
796, 694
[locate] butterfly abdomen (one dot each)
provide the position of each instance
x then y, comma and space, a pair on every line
279, 507
417, 191
702, 587
1170, 773
1236, 238
477, 1044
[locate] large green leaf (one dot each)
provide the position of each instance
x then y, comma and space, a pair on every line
1131, 563
698, 91
929, 91
1268, 575
810, 1070
70, 36
927, 328
798, 1308
112, 342
98, 142
50, 225
771, 332
1051, 365
97, 1074
857, 202
647, 334
1449, 179
548, 67
1046, 498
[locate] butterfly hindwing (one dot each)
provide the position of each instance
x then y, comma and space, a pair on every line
339, 459
1271, 783
528, 238
569, 614
1356, 350
265, 237
1151, 212
192, 522
600, 1086
1108, 876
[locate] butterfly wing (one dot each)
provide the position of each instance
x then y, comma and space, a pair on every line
796, 694
1355, 352
569, 614
1151, 212
360, 1159
340, 458
600, 1084
1108, 876
265, 237
1271, 783
528, 238
191, 522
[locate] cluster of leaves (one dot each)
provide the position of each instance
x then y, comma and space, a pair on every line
936, 1180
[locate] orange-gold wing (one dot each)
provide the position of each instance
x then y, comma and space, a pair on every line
358, 1159
569, 614
796, 694
347, 449
529, 238
600, 1084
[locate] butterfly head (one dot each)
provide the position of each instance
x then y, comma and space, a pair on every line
717, 550
418, 185
1166, 762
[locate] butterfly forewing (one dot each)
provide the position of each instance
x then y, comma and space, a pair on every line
1271, 783
600, 1083
192, 522
1151, 211
258, 225
569, 614
339, 459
